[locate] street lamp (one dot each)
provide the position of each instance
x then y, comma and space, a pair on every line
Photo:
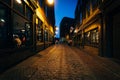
57, 28
56, 32
19, 1
50, 2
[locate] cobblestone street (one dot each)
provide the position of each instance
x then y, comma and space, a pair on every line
62, 62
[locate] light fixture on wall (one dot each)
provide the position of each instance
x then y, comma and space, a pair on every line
50, 2
19, 1
2, 21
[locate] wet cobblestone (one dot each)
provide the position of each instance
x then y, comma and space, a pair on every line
61, 62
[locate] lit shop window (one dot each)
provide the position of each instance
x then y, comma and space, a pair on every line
39, 31
87, 38
46, 35
92, 38
21, 31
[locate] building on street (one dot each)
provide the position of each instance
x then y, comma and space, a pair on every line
24, 29
66, 28
97, 29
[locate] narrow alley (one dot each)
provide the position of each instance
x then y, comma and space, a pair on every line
63, 62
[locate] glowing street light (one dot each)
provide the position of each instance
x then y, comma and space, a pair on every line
56, 32
50, 1
57, 28
19, 1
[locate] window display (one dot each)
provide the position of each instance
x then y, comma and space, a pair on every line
92, 37
21, 30
39, 31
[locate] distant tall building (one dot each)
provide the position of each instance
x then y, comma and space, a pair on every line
65, 26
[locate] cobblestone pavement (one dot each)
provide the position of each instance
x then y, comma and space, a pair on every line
61, 62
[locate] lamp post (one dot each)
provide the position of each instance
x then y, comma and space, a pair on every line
49, 9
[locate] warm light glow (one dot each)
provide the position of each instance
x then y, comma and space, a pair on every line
57, 28
23, 30
50, 1
75, 31
67, 37
2, 20
19, 1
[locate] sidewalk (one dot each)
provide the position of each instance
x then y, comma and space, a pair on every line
10, 59
109, 64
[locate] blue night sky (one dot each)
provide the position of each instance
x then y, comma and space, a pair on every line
64, 8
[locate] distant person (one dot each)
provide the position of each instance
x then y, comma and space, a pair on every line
56, 41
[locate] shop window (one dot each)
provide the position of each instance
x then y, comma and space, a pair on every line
28, 13
92, 38
39, 31
46, 35
51, 38
19, 6
21, 31
6, 1
28, 33
87, 38
4, 25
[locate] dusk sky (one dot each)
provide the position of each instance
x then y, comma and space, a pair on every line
64, 8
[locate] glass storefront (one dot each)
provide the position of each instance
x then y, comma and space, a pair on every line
92, 38
50, 38
46, 35
15, 24
28, 13
21, 30
39, 31
4, 25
